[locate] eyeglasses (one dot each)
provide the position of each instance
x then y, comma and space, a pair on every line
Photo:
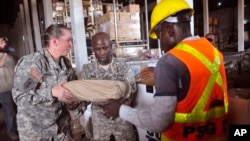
158, 29
105, 48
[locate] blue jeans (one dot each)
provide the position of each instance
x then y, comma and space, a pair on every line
9, 111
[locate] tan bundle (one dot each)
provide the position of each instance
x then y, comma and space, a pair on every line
98, 90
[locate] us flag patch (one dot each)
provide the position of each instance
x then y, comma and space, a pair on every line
35, 74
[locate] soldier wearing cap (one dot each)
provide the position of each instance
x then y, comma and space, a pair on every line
7, 64
38, 90
191, 101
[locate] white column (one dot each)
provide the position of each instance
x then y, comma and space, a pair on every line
16, 45
24, 30
36, 26
240, 25
48, 17
28, 26
21, 41
78, 29
147, 25
205, 17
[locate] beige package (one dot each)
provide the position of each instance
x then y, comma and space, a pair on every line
98, 90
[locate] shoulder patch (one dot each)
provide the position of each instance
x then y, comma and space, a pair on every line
36, 74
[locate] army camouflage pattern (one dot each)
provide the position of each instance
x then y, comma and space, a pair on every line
102, 126
40, 116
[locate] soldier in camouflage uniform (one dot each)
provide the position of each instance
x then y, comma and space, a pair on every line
38, 90
108, 68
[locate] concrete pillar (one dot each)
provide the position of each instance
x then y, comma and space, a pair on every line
240, 25
18, 41
205, 17
48, 17
29, 37
21, 41
15, 42
36, 27
24, 30
78, 29
147, 24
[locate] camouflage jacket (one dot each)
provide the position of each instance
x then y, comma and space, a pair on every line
38, 112
102, 126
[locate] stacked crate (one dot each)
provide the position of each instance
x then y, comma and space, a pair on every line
128, 23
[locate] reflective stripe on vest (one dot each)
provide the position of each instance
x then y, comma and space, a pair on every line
213, 67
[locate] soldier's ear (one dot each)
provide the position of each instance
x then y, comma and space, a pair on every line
54, 41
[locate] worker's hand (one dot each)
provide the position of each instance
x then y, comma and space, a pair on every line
62, 93
111, 110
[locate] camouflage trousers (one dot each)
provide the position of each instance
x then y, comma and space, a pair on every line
37, 137
104, 128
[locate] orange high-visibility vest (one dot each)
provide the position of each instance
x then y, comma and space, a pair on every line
194, 119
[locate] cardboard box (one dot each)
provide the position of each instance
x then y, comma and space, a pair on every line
124, 16
110, 17
135, 16
127, 30
99, 20
121, 16
133, 8
109, 8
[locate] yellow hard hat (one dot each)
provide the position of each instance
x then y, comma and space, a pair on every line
164, 9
